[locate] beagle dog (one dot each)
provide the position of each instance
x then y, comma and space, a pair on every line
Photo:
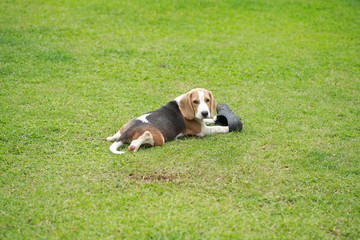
186, 115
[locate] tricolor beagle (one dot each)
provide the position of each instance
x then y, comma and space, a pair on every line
186, 115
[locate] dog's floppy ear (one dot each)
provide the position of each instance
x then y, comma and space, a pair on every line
212, 105
186, 107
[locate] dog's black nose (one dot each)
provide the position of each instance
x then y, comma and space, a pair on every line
205, 113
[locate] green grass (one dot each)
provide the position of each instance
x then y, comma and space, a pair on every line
72, 72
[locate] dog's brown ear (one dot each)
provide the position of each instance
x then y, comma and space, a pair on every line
212, 105
186, 107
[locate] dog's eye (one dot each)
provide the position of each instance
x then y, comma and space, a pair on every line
207, 100
196, 102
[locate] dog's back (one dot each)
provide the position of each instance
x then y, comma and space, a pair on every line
166, 120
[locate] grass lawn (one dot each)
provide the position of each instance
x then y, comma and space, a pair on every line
72, 72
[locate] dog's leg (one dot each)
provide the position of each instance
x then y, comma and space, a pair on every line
113, 138
209, 121
146, 138
216, 129
208, 130
115, 146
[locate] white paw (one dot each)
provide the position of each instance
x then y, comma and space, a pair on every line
110, 139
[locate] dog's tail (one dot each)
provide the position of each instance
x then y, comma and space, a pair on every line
127, 136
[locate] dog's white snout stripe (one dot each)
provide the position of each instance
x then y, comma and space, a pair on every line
203, 107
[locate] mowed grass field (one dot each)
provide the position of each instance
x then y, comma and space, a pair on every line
72, 72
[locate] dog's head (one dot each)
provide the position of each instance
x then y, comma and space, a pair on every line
199, 103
